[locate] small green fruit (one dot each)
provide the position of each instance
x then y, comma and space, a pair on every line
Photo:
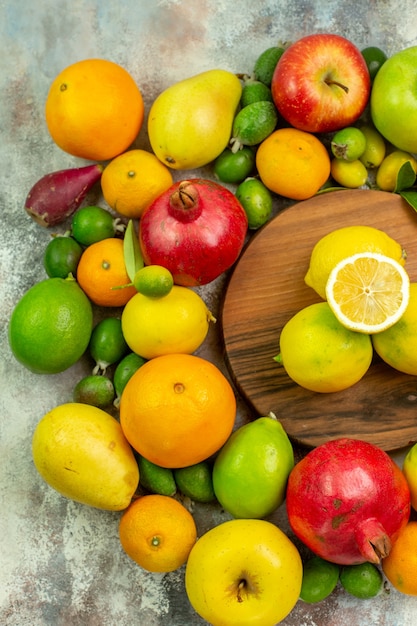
251, 471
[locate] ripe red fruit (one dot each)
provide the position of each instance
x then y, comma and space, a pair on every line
196, 229
347, 501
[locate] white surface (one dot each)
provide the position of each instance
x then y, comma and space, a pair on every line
61, 563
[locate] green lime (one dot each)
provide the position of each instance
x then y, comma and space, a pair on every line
320, 578
154, 281
255, 91
93, 223
196, 482
124, 372
95, 390
266, 63
234, 167
61, 257
156, 479
50, 326
348, 143
253, 124
363, 580
107, 343
375, 59
256, 200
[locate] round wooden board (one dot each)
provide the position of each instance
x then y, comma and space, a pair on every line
267, 287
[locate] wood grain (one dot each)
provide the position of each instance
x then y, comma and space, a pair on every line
267, 287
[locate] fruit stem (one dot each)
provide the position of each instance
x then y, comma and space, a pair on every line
184, 203
335, 82
372, 540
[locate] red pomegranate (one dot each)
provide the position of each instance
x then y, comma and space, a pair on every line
347, 501
196, 229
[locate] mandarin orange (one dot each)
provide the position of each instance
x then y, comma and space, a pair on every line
177, 410
101, 273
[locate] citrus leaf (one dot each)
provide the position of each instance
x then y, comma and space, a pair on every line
410, 197
131, 251
406, 177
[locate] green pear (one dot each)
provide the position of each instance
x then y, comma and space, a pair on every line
251, 471
190, 123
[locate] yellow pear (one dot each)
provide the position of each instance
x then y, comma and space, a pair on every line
190, 123
81, 451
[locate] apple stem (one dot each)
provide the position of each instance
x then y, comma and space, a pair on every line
335, 82
241, 585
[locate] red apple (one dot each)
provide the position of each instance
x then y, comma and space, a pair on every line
321, 83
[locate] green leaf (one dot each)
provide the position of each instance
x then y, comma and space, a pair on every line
406, 177
410, 197
131, 250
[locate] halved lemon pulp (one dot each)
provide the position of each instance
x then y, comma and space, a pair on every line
368, 292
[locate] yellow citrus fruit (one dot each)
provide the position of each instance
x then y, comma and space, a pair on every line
175, 323
350, 174
386, 176
101, 273
410, 473
132, 180
94, 109
177, 410
343, 242
375, 147
319, 353
397, 345
400, 566
368, 292
293, 163
157, 532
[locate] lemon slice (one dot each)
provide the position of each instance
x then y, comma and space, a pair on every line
368, 292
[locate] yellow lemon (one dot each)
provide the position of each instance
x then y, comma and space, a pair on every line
410, 473
319, 353
175, 323
368, 292
386, 176
342, 243
397, 345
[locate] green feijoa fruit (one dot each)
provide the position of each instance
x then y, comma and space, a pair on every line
107, 343
195, 481
255, 91
93, 223
320, 578
348, 144
251, 471
362, 581
156, 479
61, 257
266, 63
95, 390
256, 200
124, 372
253, 124
374, 58
234, 167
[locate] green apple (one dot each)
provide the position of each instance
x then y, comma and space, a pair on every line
394, 100
251, 471
243, 572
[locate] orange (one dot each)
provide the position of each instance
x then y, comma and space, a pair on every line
101, 272
132, 180
94, 109
177, 410
293, 163
157, 532
400, 566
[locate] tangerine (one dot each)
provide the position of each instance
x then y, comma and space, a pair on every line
157, 532
94, 109
293, 163
101, 273
133, 180
177, 410
400, 566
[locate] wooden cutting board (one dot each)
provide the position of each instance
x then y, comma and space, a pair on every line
267, 287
